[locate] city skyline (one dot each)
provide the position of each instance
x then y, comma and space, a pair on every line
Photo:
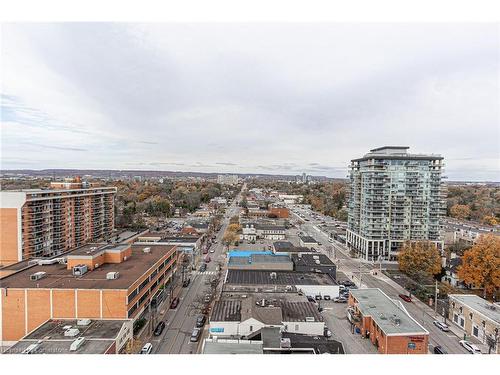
248, 98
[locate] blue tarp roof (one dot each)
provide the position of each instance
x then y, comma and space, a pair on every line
247, 253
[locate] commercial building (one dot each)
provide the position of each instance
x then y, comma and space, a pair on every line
477, 318
286, 247
279, 212
254, 231
83, 336
314, 263
244, 317
95, 281
394, 197
307, 241
257, 261
306, 283
386, 323
42, 223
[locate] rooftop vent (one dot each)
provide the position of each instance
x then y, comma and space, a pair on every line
112, 275
83, 322
80, 270
72, 332
37, 276
146, 250
310, 319
285, 343
273, 275
75, 345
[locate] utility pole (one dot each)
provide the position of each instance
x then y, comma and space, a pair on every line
436, 298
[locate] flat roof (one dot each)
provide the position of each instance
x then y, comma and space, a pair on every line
99, 336
259, 259
58, 277
256, 277
387, 314
310, 260
282, 245
308, 239
223, 346
488, 309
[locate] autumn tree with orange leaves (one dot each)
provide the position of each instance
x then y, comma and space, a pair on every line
419, 260
481, 264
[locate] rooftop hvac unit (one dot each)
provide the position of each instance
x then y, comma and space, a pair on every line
83, 322
285, 343
273, 275
317, 261
46, 262
80, 270
31, 349
146, 250
310, 319
37, 276
75, 345
72, 332
112, 275
316, 257
65, 328
96, 265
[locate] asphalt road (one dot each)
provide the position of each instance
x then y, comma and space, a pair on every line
353, 268
175, 339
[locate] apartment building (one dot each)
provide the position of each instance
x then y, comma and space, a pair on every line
95, 281
38, 223
394, 197
227, 179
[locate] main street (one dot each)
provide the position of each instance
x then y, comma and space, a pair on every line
356, 269
180, 322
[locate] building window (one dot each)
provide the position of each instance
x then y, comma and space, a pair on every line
475, 331
296, 327
251, 328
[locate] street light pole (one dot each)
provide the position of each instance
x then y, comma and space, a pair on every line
436, 298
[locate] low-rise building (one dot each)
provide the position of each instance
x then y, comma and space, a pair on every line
314, 263
477, 318
286, 247
257, 261
95, 281
386, 323
307, 241
83, 336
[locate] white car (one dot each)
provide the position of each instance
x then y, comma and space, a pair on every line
470, 347
146, 349
443, 327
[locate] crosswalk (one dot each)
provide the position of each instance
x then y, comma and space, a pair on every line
206, 273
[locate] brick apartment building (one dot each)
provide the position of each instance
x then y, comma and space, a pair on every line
42, 223
95, 281
385, 322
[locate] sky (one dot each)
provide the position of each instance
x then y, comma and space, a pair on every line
248, 98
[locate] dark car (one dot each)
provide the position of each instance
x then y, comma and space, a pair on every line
317, 297
200, 321
207, 260
439, 350
405, 298
326, 297
159, 329
174, 303
203, 267
186, 282
310, 299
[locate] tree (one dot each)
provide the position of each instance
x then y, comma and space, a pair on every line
489, 220
419, 260
460, 211
481, 264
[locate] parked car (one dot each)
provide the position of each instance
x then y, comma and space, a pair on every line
326, 297
186, 282
470, 347
439, 350
328, 333
340, 299
159, 328
207, 260
317, 297
200, 321
195, 336
207, 298
212, 250
203, 267
310, 299
146, 349
405, 298
443, 327
174, 303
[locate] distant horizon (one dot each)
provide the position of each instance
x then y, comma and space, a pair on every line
3, 171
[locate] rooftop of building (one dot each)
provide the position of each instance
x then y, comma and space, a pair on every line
272, 311
254, 277
99, 336
482, 306
94, 249
247, 253
318, 344
227, 346
396, 152
388, 314
308, 239
282, 245
59, 277
256, 258
312, 260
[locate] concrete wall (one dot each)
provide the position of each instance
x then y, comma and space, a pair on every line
313, 290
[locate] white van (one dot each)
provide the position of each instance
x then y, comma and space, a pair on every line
146, 349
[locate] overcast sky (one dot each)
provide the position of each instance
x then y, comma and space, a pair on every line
257, 98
